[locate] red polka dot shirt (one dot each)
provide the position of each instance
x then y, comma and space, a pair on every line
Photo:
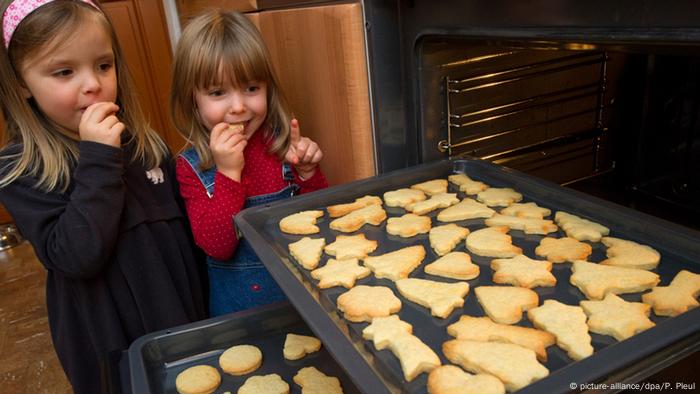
210, 218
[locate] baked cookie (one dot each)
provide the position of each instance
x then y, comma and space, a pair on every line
307, 251
616, 317
595, 280
623, 253
567, 323
523, 271
441, 298
465, 209
466, 184
298, 346
408, 225
561, 250
513, 365
432, 187
313, 381
339, 210
483, 329
455, 265
526, 225
499, 196
200, 379
449, 379
414, 355
505, 304
676, 298
397, 264
580, 228
371, 214
301, 223
444, 238
492, 242
526, 210
362, 303
340, 273
442, 200
264, 384
351, 246
403, 197
383, 329
240, 359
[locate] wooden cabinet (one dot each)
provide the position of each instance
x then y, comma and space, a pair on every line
319, 55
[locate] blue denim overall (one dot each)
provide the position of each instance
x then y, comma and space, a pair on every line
241, 282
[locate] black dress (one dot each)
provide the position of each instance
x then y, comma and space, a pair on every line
118, 253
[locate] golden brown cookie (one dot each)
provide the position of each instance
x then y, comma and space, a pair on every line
505, 304
397, 264
580, 228
313, 381
340, 273
403, 197
200, 379
339, 210
307, 251
351, 246
444, 238
408, 225
595, 280
371, 214
466, 184
297, 346
523, 271
432, 187
561, 250
616, 317
499, 197
449, 379
624, 253
301, 223
455, 265
492, 242
526, 210
441, 298
362, 303
567, 323
240, 359
676, 298
264, 384
465, 209
442, 200
526, 225
483, 329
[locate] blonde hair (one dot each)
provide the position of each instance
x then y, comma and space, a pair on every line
214, 46
47, 153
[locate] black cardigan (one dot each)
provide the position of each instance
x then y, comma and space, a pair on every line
118, 253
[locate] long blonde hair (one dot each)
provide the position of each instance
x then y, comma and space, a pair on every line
48, 154
216, 45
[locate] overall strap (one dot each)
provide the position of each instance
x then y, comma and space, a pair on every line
207, 176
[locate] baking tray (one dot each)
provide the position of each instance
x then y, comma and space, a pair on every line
379, 371
156, 359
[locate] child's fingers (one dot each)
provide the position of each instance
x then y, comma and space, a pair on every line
290, 156
99, 111
118, 128
295, 133
317, 157
217, 132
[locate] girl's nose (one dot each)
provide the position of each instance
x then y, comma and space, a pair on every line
237, 105
91, 83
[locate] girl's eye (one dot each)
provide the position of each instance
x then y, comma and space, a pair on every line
216, 92
105, 66
63, 73
252, 88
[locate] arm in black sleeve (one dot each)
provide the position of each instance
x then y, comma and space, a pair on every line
74, 233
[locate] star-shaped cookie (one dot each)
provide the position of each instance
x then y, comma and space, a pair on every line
561, 250
351, 246
616, 317
523, 271
339, 273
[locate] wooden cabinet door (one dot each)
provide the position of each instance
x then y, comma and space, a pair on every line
319, 56
143, 35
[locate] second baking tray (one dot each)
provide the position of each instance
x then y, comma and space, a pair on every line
379, 371
156, 359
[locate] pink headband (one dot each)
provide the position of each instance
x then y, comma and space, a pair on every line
18, 10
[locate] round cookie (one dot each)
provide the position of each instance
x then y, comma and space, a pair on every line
268, 384
200, 379
240, 359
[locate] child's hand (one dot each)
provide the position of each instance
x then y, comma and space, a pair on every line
99, 123
303, 153
227, 149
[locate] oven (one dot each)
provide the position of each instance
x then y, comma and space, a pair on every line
600, 96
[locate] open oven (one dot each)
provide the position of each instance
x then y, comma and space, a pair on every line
601, 96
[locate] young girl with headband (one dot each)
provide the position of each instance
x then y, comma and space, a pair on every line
91, 186
245, 149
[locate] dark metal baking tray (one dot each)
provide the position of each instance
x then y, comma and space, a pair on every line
379, 371
156, 359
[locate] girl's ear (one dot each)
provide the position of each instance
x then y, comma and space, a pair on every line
25, 92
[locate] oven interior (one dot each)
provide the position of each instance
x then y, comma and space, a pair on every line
617, 120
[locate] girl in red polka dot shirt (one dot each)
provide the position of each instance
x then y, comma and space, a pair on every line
246, 149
